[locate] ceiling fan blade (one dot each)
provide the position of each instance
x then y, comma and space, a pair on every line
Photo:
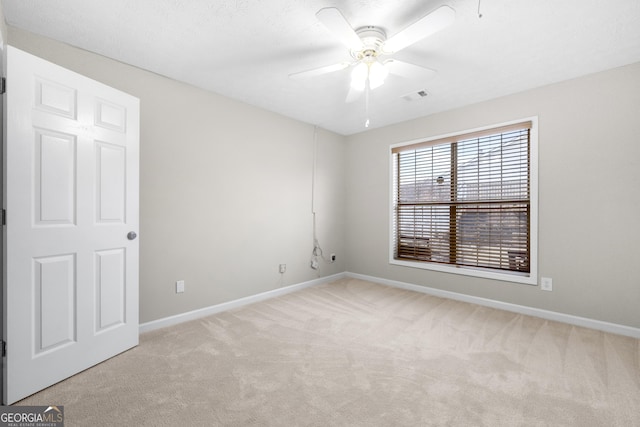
408, 70
321, 70
427, 25
338, 25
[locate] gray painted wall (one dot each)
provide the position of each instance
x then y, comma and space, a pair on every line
226, 192
225, 188
589, 196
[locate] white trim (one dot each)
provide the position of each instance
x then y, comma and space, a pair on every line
207, 311
469, 271
532, 277
599, 325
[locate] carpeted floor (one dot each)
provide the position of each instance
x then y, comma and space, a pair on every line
354, 353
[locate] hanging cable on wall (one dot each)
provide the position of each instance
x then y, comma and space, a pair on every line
316, 254
316, 245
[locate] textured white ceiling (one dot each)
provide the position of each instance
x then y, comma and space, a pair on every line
245, 49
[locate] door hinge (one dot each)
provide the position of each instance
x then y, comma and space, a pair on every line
4, 348
4, 217
3, 86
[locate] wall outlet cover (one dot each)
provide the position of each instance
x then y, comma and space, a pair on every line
179, 286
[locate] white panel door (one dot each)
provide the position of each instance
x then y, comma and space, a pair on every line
71, 187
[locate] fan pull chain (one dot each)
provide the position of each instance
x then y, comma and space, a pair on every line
479, 14
366, 103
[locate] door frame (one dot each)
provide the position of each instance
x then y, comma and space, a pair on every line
3, 73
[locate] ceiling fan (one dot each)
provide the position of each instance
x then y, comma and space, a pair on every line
367, 45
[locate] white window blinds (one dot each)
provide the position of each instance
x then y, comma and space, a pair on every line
465, 201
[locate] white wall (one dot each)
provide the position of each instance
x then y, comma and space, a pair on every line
589, 196
225, 188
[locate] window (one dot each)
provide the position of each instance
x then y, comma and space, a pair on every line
463, 203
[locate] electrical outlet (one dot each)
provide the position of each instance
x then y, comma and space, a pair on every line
333, 257
179, 286
283, 268
546, 283
314, 264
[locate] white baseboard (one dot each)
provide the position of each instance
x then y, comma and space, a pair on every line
521, 309
515, 308
207, 311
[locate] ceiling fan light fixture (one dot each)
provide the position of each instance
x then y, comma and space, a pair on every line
377, 74
373, 72
359, 76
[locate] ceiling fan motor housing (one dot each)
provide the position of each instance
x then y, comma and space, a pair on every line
372, 40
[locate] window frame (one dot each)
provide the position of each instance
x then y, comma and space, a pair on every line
530, 278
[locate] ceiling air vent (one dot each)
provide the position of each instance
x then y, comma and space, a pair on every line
414, 96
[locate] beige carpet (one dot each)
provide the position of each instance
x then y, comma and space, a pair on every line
353, 353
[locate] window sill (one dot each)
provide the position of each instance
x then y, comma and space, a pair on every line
514, 277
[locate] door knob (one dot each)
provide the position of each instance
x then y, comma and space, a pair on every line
132, 235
